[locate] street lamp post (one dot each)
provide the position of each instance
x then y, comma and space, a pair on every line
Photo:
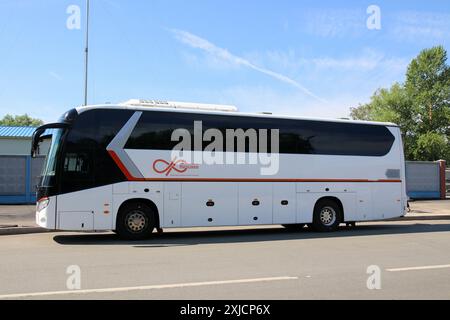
86, 58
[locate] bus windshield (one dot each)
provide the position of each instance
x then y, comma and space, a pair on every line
49, 169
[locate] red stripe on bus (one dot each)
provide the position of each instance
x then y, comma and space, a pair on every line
266, 180
122, 167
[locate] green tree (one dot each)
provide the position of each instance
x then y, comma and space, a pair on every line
20, 121
432, 146
420, 106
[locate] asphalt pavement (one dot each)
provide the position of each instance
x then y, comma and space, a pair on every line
400, 260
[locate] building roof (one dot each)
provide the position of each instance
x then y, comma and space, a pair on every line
16, 132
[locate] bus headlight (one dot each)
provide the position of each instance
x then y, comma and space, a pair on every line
42, 204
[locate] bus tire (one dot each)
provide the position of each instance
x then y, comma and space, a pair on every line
327, 216
135, 221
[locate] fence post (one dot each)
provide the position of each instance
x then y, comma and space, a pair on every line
442, 167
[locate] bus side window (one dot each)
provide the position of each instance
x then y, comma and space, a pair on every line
77, 163
77, 171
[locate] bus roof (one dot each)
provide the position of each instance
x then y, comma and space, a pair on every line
185, 107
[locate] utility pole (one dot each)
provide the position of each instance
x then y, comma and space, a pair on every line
86, 58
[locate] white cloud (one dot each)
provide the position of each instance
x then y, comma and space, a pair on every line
348, 79
421, 26
402, 25
359, 74
334, 22
223, 54
265, 99
368, 59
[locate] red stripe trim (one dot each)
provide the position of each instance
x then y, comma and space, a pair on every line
122, 168
266, 180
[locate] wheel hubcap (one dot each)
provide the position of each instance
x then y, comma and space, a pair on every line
136, 221
328, 216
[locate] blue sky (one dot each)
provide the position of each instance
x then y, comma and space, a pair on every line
311, 58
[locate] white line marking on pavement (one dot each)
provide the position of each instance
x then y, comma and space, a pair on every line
151, 287
443, 266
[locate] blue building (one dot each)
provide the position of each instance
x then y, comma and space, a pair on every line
18, 172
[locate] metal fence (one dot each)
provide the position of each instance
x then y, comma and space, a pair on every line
19, 176
423, 180
447, 182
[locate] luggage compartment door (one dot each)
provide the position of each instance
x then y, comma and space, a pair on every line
209, 204
255, 203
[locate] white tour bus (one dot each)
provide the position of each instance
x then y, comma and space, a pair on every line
112, 167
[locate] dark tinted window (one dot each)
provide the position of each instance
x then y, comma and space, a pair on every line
154, 131
85, 162
333, 138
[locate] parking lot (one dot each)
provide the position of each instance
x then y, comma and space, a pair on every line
412, 256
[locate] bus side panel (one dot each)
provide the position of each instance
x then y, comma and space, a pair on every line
387, 200
346, 192
152, 191
172, 205
284, 203
402, 172
305, 207
86, 210
307, 200
364, 203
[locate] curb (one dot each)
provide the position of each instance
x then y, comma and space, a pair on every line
421, 218
22, 230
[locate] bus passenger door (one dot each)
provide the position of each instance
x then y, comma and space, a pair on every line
82, 206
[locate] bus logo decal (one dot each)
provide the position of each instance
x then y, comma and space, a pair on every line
180, 166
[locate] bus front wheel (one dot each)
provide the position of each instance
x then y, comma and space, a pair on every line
135, 221
327, 216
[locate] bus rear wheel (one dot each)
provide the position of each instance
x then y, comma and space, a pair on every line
135, 221
327, 216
